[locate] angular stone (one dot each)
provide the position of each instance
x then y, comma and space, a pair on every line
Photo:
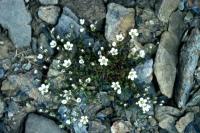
40, 124
145, 72
165, 63
188, 61
97, 127
67, 25
49, 14
167, 116
15, 18
166, 9
121, 127
21, 82
184, 121
118, 20
195, 100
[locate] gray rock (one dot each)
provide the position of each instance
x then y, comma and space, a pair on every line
161, 111
149, 26
188, 60
145, 72
118, 20
21, 82
167, 54
167, 117
176, 24
97, 127
194, 126
67, 25
89, 10
165, 63
184, 121
166, 9
40, 124
79, 128
68, 12
15, 18
195, 99
2, 72
49, 14
43, 41
46, 2
121, 127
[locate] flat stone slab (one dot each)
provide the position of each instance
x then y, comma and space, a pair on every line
15, 18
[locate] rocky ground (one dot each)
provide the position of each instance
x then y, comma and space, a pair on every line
166, 32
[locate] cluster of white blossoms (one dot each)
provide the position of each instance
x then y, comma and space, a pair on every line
133, 33
144, 104
103, 61
67, 63
116, 86
66, 96
84, 120
113, 51
44, 89
132, 74
68, 46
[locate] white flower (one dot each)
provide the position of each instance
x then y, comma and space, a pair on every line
68, 122
78, 100
62, 40
81, 61
84, 120
88, 80
132, 74
142, 53
103, 61
67, 63
102, 48
82, 29
44, 89
58, 37
119, 91
114, 51
53, 44
82, 21
68, 46
115, 85
92, 27
133, 32
143, 103
64, 101
114, 44
120, 37
40, 56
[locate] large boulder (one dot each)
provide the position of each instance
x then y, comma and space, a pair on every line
188, 61
15, 18
39, 124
